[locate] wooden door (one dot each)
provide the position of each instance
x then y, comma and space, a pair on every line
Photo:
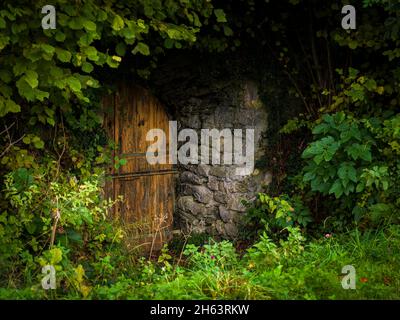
148, 190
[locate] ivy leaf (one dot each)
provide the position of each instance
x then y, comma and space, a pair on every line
101, 15
118, 23
25, 90
26, 139
86, 39
2, 23
220, 14
11, 106
120, 49
4, 41
40, 95
353, 44
129, 35
353, 73
89, 25
5, 76
380, 90
113, 63
168, 43
228, 31
31, 77
142, 48
74, 84
7, 106
51, 121
116, 58
63, 55
38, 143
356, 92
47, 48
87, 67
60, 37
75, 23
91, 53
370, 84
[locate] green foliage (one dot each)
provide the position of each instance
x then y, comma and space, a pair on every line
53, 147
341, 150
216, 255
289, 269
351, 158
72, 210
275, 213
346, 159
47, 75
348, 132
119, 162
55, 69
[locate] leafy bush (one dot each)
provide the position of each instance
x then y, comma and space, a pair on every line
353, 160
274, 213
58, 227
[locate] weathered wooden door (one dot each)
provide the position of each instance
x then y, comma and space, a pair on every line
147, 190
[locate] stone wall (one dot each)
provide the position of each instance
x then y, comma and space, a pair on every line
208, 197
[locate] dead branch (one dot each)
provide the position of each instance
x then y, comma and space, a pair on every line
10, 143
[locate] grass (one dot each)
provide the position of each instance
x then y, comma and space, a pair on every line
292, 269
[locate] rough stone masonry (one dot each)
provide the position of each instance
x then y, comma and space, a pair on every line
209, 197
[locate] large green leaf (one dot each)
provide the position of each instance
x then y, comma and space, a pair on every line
220, 14
31, 77
63, 55
74, 83
142, 48
337, 189
89, 25
347, 172
118, 23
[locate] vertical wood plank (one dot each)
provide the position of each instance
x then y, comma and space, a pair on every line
148, 191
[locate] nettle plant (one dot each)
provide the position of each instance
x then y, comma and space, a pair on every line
345, 160
336, 158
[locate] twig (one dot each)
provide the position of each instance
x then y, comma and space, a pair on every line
7, 128
56, 217
186, 236
11, 143
60, 155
